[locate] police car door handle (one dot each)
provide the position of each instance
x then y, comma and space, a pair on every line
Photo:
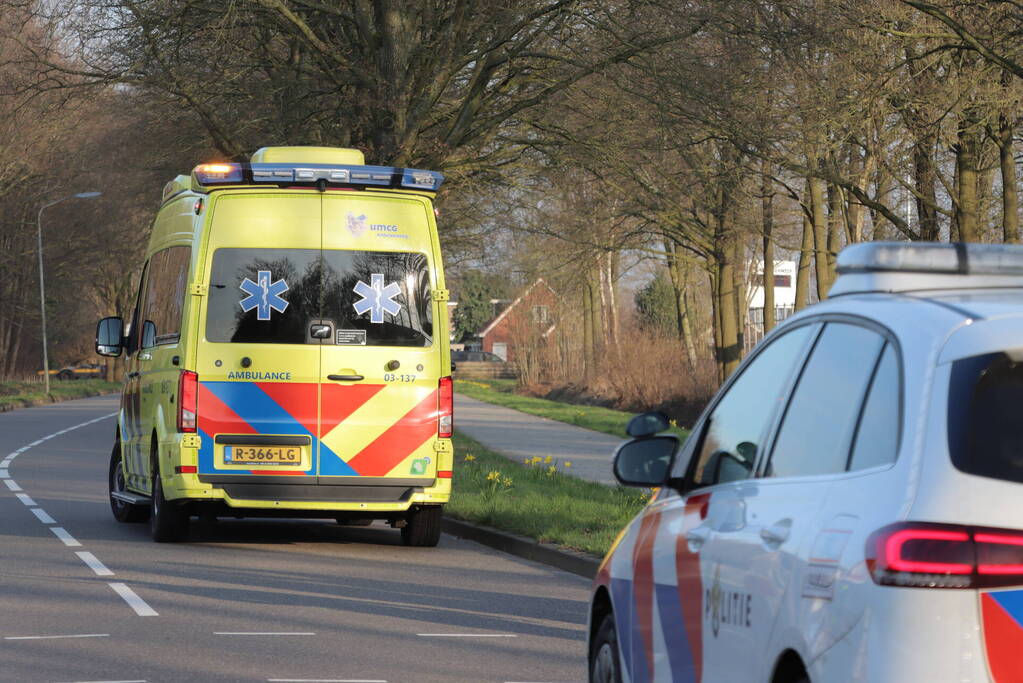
776, 534
697, 537
346, 378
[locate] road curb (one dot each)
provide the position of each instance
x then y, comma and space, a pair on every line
577, 563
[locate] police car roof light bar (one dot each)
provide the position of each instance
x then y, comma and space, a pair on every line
930, 257
311, 174
927, 266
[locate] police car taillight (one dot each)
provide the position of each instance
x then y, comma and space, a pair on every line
188, 400
925, 555
446, 408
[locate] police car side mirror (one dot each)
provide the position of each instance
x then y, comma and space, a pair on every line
110, 337
646, 461
646, 424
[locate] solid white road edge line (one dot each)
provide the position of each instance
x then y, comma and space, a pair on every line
93, 563
80, 635
325, 680
134, 601
61, 533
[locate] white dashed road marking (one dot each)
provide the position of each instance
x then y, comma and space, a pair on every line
467, 635
43, 517
262, 633
63, 535
93, 563
127, 594
140, 606
81, 635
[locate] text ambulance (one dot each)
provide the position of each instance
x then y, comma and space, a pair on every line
287, 354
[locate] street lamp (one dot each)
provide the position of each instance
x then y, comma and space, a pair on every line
42, 291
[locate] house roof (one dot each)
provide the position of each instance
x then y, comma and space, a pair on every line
494, 323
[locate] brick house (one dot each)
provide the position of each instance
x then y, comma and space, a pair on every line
525, 320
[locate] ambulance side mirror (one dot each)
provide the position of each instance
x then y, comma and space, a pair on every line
110, 337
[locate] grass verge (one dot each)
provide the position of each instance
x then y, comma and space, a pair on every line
502, 392
538, 500
23, 394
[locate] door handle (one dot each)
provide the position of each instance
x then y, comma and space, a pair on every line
776, 534
695, 538
346, 378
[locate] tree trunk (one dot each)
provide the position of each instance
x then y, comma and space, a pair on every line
836, 224
925, 180
803, 272
588, 355
767, 225
597, 319
820, 229
967, 151
1010, 192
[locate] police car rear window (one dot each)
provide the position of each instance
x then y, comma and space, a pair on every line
985, 432
275, 296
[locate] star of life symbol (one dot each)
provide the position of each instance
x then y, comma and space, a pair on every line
376, 298
262, 295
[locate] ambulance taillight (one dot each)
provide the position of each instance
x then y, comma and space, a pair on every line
188, 400
446, 409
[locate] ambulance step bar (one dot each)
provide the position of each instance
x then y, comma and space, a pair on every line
131, 498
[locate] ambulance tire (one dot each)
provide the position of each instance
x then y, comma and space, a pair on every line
422, 526
168, 522
604, 664
123, 512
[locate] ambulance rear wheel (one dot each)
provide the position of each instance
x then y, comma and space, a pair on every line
422, 526
604, 664
168, 522
123, 512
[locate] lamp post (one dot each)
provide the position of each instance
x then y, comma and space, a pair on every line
42, 290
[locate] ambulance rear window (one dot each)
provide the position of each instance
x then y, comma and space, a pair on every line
275, 296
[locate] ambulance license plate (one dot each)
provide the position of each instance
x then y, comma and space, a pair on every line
263, 455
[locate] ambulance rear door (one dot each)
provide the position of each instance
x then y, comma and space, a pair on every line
258, 364
380, 363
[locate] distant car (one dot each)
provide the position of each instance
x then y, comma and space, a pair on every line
848, 507
476, 357
79, 371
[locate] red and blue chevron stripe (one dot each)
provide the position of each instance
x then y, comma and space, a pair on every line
1002, 612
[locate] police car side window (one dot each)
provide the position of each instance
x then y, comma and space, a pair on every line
877, 437
817, 429
165, 293
736, 428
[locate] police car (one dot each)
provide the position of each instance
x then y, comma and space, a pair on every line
848, 507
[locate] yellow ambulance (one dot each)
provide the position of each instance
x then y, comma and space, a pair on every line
287, 354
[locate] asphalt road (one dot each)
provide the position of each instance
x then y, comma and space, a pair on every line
85, 598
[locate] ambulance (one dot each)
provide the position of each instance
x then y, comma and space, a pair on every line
287, 354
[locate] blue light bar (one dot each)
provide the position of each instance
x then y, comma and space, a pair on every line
312, 174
